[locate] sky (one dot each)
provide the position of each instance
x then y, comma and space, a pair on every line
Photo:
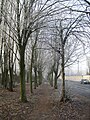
78, 68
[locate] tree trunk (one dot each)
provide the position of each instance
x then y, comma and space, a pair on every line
55, 81
27, 77
31, 89
11, 79
5, 77
2, 71
63, 77
22, 76
2, 78
35, 80
51, 80
40, 77
35, 68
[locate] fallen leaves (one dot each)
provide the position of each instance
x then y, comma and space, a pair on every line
43, 105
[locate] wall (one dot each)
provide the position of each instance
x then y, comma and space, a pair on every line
77, 78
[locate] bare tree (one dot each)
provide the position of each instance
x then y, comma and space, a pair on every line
69, 35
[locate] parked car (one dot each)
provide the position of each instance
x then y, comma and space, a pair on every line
85, 81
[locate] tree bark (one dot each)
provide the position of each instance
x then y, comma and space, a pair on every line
35, 80
63, 76
5, 77
35, 69
31, 89
22, 76
55, 81
51, 79
2, 70
11, 79
39, 76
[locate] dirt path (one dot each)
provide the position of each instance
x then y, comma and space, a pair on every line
43, 107
47, 106
43, 104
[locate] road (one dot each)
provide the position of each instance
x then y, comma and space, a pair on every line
75, 89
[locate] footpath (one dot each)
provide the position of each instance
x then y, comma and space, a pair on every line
43, 104
48, 107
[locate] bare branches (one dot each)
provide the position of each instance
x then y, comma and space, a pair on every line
87, 2
1, 10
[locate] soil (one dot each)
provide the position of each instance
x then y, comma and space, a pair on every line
43, 104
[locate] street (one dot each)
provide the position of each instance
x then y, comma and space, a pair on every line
75, 89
